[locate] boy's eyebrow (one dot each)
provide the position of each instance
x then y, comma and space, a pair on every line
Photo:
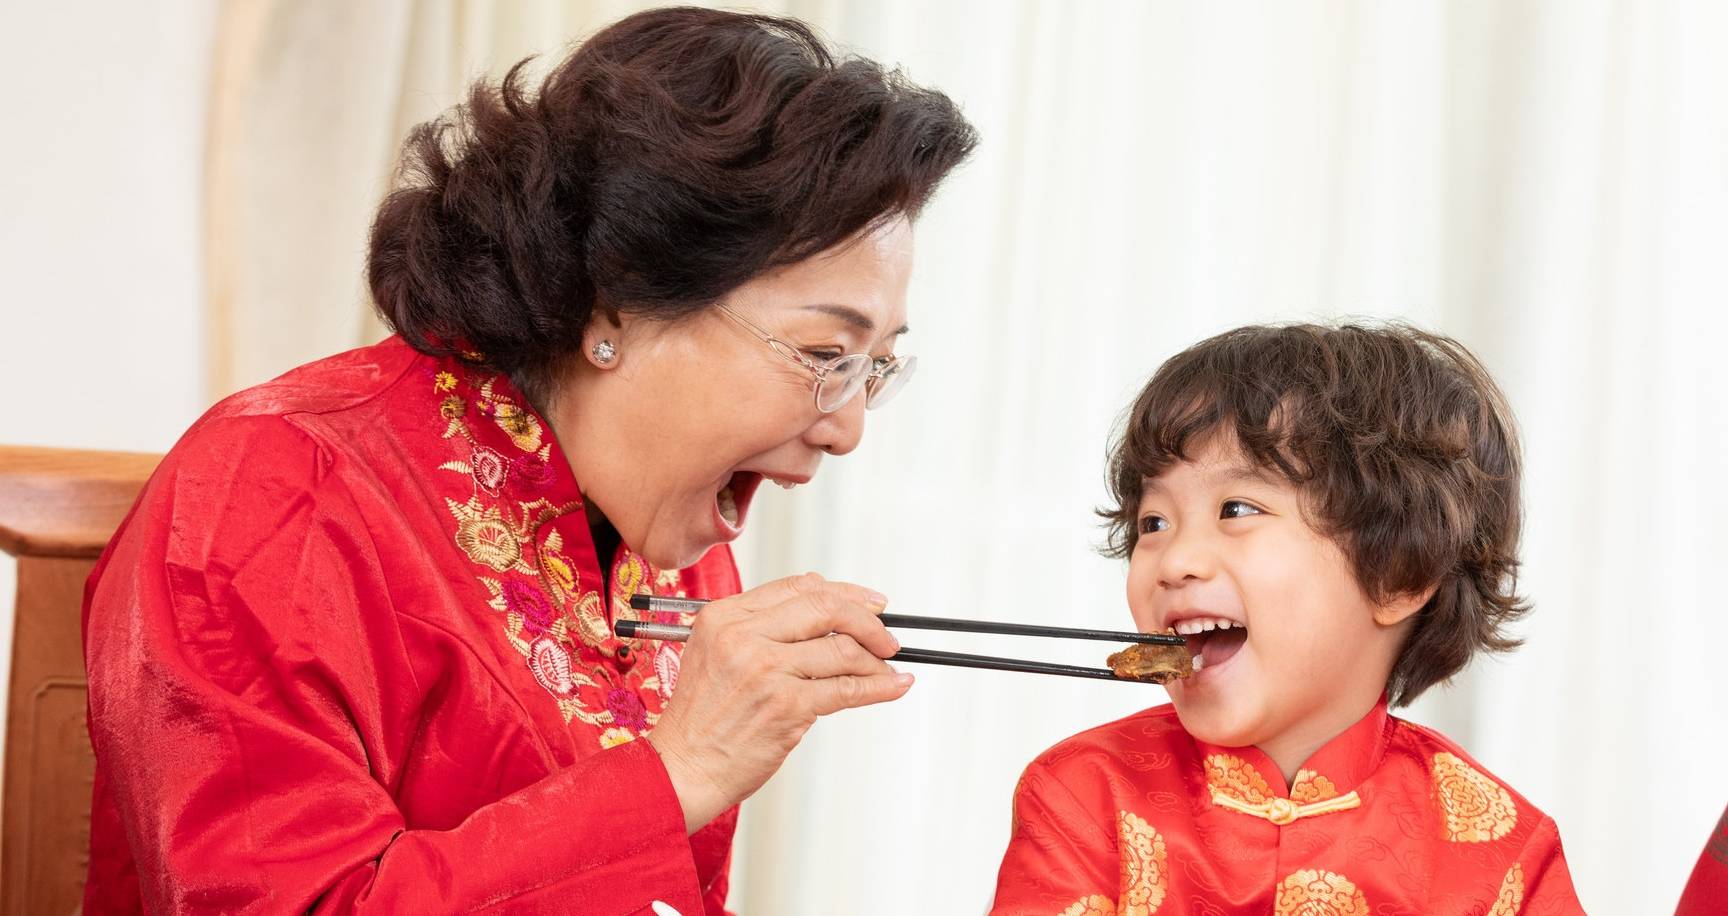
1246, 473
1235, 473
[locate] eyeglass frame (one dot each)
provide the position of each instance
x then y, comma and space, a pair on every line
879, 365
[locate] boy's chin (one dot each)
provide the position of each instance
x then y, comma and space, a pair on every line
1216, 722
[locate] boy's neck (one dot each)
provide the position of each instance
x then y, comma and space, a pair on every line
1290, 750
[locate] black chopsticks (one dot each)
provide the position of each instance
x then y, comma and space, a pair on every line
672, 632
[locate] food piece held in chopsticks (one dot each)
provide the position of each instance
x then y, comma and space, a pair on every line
1158, 664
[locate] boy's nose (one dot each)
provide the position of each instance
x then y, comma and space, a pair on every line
1187, 558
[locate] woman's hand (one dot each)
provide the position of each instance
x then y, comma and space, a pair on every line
758, 670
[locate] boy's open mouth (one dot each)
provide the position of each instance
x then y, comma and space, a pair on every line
1211, 640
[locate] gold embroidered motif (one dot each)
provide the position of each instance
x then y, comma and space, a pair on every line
1311, 787
1235, 778
1511, 898
520, 425
1310, 892
483, 536
1095, 905
1477, 809
1145, 875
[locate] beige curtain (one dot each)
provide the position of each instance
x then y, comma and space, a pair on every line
1545, 179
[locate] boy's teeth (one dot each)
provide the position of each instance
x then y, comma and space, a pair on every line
1195, 625
1199, 662
728, 506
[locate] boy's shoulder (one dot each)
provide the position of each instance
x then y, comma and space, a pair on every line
1455, 776
1149, 739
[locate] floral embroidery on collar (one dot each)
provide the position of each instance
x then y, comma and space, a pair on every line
551, 616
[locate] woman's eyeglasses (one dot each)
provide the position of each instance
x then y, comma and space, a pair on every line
840, 379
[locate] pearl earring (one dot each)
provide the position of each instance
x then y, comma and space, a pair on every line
604, 352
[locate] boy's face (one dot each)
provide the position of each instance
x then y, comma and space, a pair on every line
1306, 652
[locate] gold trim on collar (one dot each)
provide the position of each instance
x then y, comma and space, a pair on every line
1283, 811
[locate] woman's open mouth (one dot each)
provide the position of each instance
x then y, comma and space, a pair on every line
1212, 640
732, 502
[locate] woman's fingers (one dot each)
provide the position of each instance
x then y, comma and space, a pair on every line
833, 694
833, 656
831, 607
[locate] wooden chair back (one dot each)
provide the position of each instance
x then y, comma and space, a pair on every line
58, 508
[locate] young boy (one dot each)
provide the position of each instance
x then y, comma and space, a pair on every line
1331, 515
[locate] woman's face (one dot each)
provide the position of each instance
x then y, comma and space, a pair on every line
672, 438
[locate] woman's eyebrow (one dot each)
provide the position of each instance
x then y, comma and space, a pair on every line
852, 317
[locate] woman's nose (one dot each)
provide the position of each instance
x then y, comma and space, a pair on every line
839, 432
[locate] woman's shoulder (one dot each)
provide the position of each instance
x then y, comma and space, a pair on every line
281, 421
332, 384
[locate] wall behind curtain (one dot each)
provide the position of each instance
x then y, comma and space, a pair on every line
101, 165
1545, 179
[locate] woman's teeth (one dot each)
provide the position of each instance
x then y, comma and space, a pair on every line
728, 505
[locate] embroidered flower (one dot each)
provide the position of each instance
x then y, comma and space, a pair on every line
531, 603
559, 571
1236, 778
627, 709
1091, 905
591, 620
1311, 892
1511, 898
1477, 809
452, 407
483, 536
522, 426
532, 473
1311, 787
667, 663
551, 666
612, 737
489, 468
1144, 867
443, 381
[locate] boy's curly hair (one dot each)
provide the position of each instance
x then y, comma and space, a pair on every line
1401, 444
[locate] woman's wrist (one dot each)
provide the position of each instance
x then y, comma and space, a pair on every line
701, 800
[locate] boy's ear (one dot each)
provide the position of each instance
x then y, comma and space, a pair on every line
1402, 607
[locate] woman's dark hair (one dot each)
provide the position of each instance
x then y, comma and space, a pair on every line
1403, 449
671, 158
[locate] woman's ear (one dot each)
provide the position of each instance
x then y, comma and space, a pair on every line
602, 339
1404, 606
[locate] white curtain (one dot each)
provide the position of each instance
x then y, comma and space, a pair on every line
1547, 181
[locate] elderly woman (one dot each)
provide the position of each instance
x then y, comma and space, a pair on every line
353, 650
